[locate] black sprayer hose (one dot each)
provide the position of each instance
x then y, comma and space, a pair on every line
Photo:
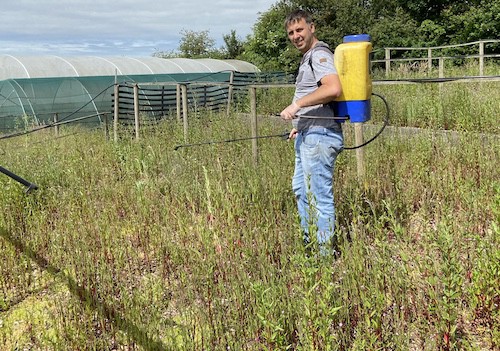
386, 122
286, 134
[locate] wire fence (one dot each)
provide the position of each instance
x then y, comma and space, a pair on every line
159, 99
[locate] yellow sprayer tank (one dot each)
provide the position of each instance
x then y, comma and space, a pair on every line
352, 61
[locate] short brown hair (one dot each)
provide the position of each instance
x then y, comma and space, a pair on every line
297, 15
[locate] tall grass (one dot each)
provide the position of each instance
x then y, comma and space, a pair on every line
458, 106
132, 245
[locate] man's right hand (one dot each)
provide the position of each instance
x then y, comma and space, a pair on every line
289, 112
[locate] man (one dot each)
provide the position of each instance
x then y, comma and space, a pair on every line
318, 136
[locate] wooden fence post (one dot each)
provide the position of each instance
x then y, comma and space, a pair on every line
178, 101
441, 73
116, 112
230, 93
481, 58
185, 111
56, 127
136, 110
360, 153
387, 62
106, 127
205, 96
429, 59
253, 121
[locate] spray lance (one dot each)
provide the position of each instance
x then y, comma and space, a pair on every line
352, 62
284, 136
30, 186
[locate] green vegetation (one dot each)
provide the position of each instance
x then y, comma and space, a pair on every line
391, 23
459, 106
132, 245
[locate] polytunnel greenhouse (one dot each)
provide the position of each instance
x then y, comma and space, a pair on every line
39, 88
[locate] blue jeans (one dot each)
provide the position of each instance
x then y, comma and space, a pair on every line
316, 150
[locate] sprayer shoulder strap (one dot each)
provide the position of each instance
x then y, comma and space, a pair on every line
325, 48
318, 47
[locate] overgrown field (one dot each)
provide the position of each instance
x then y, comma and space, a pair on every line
134, 246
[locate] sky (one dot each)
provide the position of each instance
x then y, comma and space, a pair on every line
133, 28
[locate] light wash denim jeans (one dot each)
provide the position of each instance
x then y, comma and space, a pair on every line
316, 150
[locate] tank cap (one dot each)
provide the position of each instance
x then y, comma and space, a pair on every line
357, 37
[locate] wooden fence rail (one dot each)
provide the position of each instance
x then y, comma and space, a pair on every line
430, 57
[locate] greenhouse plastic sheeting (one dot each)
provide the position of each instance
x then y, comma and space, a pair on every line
36, 101
91, 66
35, 89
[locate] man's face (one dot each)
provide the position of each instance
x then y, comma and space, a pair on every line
301, 35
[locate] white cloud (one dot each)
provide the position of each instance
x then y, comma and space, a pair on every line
126, 27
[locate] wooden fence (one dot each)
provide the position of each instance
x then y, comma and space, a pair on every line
431, 56
139, 98
130, 101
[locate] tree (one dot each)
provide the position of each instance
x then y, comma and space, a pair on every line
421, 10
396, 29
165, 54
268, 47
234, 46
389, 22
196, 44
475, 22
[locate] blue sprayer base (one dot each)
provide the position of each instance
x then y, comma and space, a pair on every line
356, 111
